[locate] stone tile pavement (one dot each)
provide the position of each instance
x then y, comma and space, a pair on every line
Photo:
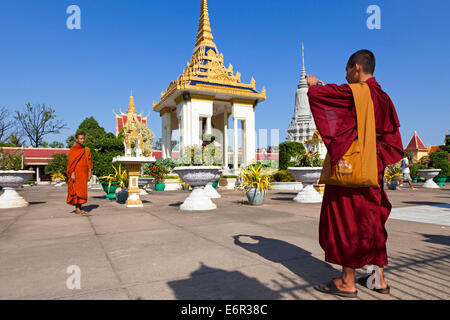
234, 252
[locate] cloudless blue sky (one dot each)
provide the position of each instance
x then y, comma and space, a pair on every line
143, 45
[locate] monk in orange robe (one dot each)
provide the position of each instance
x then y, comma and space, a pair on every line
352, 220
79, 172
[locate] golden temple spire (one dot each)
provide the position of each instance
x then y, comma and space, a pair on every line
131, 108
204, 35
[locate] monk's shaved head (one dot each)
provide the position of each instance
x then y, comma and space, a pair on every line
365, 58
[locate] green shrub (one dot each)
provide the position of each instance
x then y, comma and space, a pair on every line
58, 164
439, 160
12, 161
283, 176
413, 169
288, 150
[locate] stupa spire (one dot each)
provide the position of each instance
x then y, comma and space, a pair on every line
131, 108
204, 34
303, 82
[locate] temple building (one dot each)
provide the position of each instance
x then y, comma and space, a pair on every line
316, 144
201, 100
122, 119
416, 148
302, 126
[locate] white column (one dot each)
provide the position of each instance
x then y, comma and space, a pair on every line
169, 138
163, 141
208, 125
236, 147
225, 138
38, 177
244, 143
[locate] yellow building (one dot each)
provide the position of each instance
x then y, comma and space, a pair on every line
416, 148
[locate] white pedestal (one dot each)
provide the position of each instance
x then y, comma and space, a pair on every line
308, 195
198, 200
430, 184
211, 192
11, 199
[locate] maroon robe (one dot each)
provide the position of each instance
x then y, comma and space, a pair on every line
351, 229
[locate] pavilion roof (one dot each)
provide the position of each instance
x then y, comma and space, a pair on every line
206, 73
416, 143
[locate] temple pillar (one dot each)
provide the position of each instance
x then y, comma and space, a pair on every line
225, 138
236, 147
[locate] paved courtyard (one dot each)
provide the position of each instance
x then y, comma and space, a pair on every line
234, 252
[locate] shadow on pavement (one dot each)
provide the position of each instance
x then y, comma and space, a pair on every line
429, 203
207, 283
295, 259
33, 203
435, 238
90, 207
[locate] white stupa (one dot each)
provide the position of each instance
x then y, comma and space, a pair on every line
302, 125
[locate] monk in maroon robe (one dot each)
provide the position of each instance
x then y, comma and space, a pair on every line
352, 221
79, 172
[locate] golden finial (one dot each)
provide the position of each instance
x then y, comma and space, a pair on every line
204, 35
253, 83
263, 92
131, 108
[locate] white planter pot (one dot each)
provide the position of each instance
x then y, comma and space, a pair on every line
172, 184
10, 180
209, 189
287, 186
197, 177
230, 184
429, 174
308, 176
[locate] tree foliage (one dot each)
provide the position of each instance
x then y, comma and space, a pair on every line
37, 121
439, 160
56, 145
58, 164
5, 123
288, 150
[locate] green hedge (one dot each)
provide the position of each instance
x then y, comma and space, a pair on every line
439, 160
289, 149
283, 176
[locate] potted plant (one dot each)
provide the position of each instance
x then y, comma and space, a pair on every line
115, 185
307, 170
12, 177
392, 175
283, 180
158, 171
255, 184
427, 171
198, 170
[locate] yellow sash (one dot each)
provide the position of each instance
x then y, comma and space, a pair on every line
358, 166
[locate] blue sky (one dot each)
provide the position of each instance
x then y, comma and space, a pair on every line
142, 45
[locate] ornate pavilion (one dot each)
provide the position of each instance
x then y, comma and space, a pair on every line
204, 96
122, 119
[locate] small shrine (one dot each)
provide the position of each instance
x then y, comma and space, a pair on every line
122, 119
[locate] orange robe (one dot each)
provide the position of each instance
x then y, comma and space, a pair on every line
80, 161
